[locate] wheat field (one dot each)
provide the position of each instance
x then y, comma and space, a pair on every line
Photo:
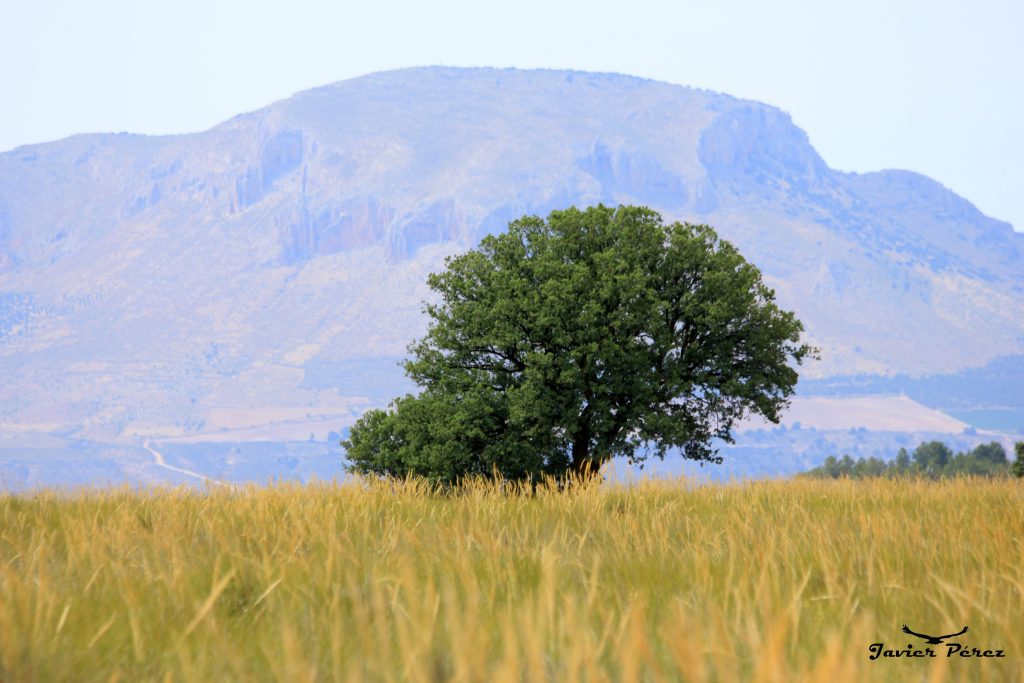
383, 581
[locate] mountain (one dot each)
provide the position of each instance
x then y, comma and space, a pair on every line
267, 274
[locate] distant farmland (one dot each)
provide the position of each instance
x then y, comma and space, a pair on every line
660, 581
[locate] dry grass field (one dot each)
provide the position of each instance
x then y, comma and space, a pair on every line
659, 581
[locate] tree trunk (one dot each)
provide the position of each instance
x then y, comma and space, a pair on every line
583, 464
585, 469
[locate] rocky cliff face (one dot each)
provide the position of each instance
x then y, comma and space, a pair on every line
146, 281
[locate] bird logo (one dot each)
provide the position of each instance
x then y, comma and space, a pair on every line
933, 640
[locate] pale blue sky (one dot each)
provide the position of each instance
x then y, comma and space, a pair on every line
932, 86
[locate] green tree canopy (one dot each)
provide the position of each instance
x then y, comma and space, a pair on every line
1017, 468
902, 461
933, 460
564, 342
992, 452
932, 456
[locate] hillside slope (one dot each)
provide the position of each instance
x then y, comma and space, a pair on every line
277, 261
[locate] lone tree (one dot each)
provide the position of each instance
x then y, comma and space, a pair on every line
565, 342
1017, 468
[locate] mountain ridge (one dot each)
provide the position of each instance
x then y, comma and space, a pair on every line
147, 281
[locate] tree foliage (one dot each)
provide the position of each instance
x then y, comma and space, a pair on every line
931, 459
564, 342
1017, 469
